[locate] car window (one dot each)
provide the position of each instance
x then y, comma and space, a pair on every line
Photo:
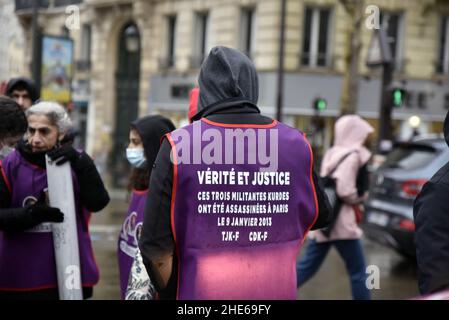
409, 157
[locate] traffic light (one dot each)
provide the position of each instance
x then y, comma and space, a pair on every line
320, 104
398, 97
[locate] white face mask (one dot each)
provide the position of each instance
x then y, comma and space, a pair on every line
136, 157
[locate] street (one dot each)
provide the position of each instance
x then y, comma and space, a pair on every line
397, 275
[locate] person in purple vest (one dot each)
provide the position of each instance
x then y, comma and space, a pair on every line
144, 142
222, 221
28, 267
13, 125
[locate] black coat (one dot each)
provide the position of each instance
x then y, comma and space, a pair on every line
431, 213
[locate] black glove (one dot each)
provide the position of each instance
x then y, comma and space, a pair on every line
43, 213
63, 154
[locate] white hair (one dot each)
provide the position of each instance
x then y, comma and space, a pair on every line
55, 113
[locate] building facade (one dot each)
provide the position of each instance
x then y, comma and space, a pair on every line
12, 43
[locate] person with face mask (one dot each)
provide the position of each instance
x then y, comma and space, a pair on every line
144, 141
13, 125
24, 181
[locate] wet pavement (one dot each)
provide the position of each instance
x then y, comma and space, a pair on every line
397, 275
104, 230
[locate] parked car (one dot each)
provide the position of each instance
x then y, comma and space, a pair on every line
394, 185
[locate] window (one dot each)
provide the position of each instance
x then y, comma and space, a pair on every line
201, 38
171, 41
247, 31
443, 59
446, 101
83, 62
86, 42
393, 24
315, 48
61, 3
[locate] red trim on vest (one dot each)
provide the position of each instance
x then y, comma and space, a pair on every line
35, 166
172, 205
314, 192
227, 125
140, 192
8, 184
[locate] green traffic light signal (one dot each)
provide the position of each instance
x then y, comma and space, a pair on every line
398, 97
320, 104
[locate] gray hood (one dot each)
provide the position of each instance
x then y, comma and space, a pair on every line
227, 79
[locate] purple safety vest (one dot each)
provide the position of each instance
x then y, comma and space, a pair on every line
129, 236
239, 239
27, 260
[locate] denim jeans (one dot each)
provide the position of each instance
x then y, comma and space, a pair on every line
352, 253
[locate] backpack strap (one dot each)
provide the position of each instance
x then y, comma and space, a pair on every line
340, 162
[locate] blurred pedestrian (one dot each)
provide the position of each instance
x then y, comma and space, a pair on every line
13, 125
28, 266
23, 91
144, 142
245, 265
431, 214
193, 103
346, 163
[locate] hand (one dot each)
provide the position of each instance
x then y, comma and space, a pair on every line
44, 213
63, 154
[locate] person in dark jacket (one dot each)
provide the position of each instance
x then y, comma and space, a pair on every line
431, 214
23, 91
23, 184
228, 94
